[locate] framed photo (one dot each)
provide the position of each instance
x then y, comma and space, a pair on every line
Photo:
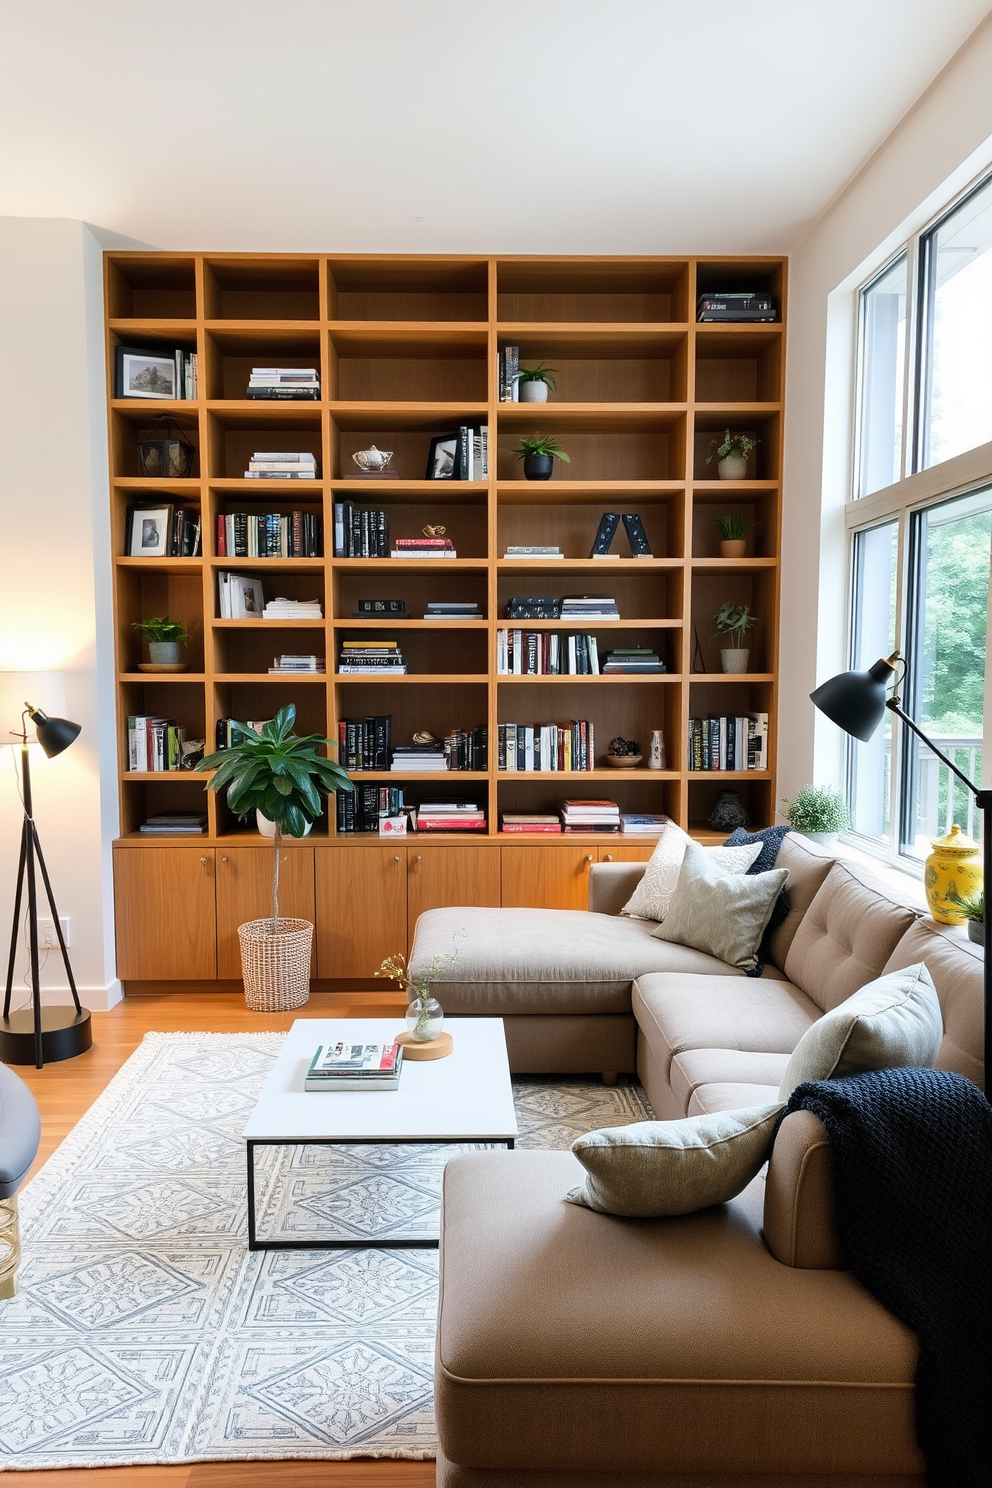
146, 374
150, 531
442, 458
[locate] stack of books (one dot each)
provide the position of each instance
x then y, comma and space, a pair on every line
295, 383
376, 656
449, 816
411, 759
521, 653
363, 807
281, 608
549, 746
268, 535
454, 609
175, 824
467, 749
153, 743
525, 822
590, 816
423, 547
643, 824
725, 742
636, 661
365, 745
360, 533
534, 552
344, 1066
282, 465
589, 606
297, 663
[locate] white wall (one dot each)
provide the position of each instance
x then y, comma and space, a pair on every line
938, 148
55, 581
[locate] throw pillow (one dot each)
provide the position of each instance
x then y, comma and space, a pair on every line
770, 840
651, 898
724, 914
893, 1022
655, 1168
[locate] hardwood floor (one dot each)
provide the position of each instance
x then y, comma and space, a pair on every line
64, 1091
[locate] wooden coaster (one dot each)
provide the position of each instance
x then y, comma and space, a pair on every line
162, 666
438, 1048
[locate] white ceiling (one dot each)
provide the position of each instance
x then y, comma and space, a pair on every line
641, 126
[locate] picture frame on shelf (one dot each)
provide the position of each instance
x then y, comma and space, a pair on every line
149, 531
145, 373
442, 457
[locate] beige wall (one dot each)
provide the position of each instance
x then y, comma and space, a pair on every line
941, 145
55, 594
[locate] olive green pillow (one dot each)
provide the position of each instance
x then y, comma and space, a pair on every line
722, 913
656, 1168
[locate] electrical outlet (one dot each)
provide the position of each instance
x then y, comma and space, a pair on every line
47, 937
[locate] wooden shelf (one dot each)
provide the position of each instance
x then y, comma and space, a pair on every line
614, 678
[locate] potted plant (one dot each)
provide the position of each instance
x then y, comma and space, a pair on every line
533, 383
733, 621
973, 909
819, 812
281, 775
733, 528
164, 637
539, 456
424, 1016
731, 454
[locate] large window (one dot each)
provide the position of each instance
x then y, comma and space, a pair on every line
920, 521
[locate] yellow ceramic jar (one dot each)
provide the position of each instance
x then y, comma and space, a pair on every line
953, 872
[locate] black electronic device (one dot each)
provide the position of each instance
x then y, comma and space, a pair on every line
608, 524
533, 607
636, 536
388, 609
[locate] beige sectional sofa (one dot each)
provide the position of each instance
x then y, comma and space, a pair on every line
723, 1348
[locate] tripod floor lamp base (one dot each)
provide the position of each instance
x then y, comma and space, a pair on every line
64, 1034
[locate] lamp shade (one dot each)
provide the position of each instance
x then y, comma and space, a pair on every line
855, 701
20, 690
54, 734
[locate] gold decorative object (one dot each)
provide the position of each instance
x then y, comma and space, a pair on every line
424, 736
953, 872
430, 531
10, 1246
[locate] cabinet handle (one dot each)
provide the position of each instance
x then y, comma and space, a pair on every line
204, 862
608, 858
397, 858
588, 857
417, 858
223, 860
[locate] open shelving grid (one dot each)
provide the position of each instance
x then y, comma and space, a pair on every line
407, 348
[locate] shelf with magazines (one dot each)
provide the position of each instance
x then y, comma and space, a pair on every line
305, 361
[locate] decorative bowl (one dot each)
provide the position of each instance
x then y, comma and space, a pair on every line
372, 459
624, 761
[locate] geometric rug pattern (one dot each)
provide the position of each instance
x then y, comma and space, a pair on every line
144, 1331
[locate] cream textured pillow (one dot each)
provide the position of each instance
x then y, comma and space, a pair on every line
673, 1167
719, 912
653, 895
892, 1023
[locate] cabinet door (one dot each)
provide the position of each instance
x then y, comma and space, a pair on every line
438, 876
166, 921
628, 852
244, 892
361, 908
547, 877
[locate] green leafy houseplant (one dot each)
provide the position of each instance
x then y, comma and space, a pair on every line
540, 373
543, 444
731, 446
733, 526
733, 622
973, 908
280, 774
817, 808
162, 628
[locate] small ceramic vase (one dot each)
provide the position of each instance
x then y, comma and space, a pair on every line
538, 467
656, 757
532, 392
952, 872
734, 658
164, 653
424, 1018
733, 467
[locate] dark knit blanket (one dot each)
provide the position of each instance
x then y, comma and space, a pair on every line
771, 840
912, 1160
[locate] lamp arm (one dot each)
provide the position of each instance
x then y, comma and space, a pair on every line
893, 705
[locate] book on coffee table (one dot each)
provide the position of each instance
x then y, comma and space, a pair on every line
346, 1066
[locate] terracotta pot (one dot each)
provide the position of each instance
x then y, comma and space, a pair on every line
733, 547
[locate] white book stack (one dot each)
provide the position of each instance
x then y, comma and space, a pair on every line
282, 383
293, 609
282, 465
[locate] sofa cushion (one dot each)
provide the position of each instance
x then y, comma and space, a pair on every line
573, 1340
695, 1067
808, 866
894, 1021
707, 1100
653, 895
531, 961
956, 966
653, 1168
846, 936
722, 913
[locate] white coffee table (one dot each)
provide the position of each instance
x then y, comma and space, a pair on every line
464, 1098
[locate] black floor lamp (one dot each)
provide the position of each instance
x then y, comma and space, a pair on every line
856, 702
32, 1035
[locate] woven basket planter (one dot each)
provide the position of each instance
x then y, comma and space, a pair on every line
276, 967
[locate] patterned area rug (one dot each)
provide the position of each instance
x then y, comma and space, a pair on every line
145, 1332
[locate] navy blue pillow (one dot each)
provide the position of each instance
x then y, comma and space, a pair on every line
771, 840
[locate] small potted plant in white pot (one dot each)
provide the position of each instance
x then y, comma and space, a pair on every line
733, 622
281, 775
539, 455
165, 638
534, 382
731, 454
818, 812
733, 528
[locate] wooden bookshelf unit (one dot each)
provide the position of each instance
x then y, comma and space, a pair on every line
407, 348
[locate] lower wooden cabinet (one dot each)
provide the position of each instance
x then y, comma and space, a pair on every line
361, 908
244, 892
451, 875
166, 917
552, 877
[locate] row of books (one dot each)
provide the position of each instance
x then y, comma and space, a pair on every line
373, 657
241, 597
361, 808
360, 532
163, 530
346, 1066
153, 743
538, 653
549, 746
293, 384
462, 749
282, 465
728, 742
365, 745
269, 535
508, 374
635, 824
